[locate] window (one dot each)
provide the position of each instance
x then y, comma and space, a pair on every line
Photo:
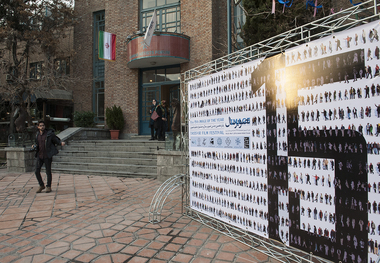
36, 70
98, 70
168, 15
239, 21
161, 75
62, 66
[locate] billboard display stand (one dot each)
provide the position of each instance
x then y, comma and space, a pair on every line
283, 151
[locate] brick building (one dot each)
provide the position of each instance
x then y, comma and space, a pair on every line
188, 34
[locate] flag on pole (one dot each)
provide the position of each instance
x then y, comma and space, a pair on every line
107, 46
150, 29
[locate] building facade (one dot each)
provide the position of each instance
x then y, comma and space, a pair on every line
188, 34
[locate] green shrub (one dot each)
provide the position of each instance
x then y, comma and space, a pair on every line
84, 119
114, 118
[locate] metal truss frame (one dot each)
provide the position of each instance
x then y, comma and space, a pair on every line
269, 247
346, 19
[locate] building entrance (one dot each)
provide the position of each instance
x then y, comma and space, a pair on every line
160, 84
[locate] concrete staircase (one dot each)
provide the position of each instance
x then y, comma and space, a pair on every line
130, 158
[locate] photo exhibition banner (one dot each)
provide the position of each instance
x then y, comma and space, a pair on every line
287, 147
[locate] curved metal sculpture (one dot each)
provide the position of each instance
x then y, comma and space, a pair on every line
162, 194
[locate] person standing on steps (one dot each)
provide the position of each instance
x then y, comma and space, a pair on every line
153, 130
161, 120
45, 146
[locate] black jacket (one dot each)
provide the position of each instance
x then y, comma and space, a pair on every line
51, 141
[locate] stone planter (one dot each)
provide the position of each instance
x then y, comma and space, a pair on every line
20, 160
169, 163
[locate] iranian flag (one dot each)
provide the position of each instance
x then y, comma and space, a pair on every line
107, 46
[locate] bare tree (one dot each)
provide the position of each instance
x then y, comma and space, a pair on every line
33, 34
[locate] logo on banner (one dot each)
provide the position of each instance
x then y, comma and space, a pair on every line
228, 141
219, 141
246, 142
237, 122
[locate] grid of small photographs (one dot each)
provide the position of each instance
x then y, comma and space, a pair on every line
288, 148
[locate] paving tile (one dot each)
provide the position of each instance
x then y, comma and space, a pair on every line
58, 244
87, 257
179, 240
58, 260
148, 253
70, 238
154, 260
95, 234
190, 250
196, 242
255, 254
33, 251
131, 250
173, 247
103, 259
182, 258
56, 251
186, 234
231, 247
8, 259
115, 247
6, 250
119, 258
156, 245
125, 240
71, 254
24, 249
46, 242
212, 245
109, 232
104, 240
207, 253
9, 226
202, 260
24, 260
13, 240
140, 242
100, 249
83, 246
166, 255
226, 256
83, 240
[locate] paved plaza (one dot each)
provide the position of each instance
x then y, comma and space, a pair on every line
103, 219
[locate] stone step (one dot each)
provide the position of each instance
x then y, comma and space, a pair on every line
152, 144
130, 158
127, 168
112, 148
109, 159
113, 154
105, 173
